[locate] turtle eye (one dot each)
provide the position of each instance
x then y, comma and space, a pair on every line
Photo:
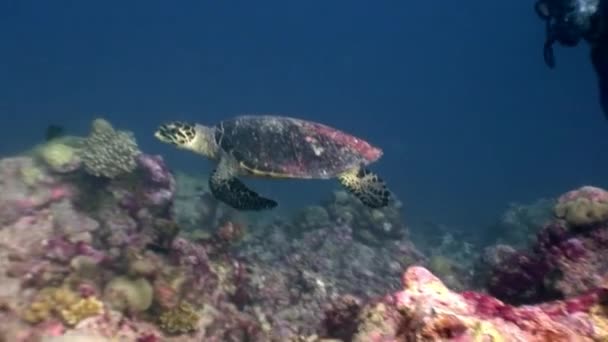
189, 132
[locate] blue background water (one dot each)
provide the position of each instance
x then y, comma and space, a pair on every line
455, 92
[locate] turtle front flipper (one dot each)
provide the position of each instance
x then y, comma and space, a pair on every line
366, 186
227, 188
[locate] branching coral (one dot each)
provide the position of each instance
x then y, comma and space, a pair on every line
107, 152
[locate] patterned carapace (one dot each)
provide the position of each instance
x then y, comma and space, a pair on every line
289, 147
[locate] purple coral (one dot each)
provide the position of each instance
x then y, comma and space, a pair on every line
153, 190
188, 253
564, 261
159, 184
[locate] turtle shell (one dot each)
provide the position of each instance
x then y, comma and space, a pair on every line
278, 146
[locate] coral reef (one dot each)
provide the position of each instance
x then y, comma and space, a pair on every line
426, 310
520, 223
451, 252
100, 242
101, 257
313, 269
117, 239
371, 226
567, 258
196, 210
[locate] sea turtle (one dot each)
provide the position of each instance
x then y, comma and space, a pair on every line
278, 147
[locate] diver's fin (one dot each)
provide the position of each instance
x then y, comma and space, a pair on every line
542, 10
548, 53
227, 188
599, 58
366, 186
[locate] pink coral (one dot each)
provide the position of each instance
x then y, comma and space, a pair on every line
591, 193
118, 327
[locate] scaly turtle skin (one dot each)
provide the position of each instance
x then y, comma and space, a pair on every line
278, 147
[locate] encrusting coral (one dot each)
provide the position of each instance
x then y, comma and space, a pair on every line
107, 152
64, 304
129, 294
584, 206
60, 155
179, 320
83, 308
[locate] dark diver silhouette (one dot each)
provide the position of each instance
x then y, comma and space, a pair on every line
568, 22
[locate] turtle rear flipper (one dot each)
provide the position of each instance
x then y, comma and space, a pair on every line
227, 188
368, 187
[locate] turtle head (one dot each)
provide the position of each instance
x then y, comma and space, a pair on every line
188, 136
177, 133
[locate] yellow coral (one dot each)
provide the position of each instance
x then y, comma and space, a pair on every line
57, 154
582, 211
49, 300
598, 315
38, 311
441, 265
124, 293
180, 320
485, 331
63, 297
31, 175
84, 308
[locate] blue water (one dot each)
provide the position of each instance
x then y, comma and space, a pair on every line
456, 93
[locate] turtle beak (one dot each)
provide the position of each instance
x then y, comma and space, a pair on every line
161, 134
158, 135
